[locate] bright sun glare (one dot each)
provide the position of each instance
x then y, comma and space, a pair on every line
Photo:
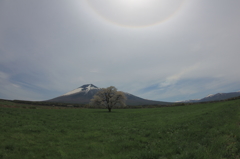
135, 13
133, 3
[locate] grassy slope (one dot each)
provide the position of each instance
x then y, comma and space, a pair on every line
196, 131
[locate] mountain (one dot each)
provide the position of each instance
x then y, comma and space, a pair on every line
85, 93
81, 95
214, 97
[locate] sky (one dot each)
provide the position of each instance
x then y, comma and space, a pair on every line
165, 50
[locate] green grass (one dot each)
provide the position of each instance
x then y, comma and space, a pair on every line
200, 131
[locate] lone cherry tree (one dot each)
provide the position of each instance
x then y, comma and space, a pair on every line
108, 97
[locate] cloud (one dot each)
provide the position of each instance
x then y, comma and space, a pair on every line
14, 91
49, 48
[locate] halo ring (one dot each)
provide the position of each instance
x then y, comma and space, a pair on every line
153, 15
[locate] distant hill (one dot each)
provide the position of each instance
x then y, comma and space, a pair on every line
214, 97
85, 93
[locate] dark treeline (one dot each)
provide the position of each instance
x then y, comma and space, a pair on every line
75, 105
44, 103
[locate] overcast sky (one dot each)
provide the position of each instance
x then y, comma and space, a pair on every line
166, 50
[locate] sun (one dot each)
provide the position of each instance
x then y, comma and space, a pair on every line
135, 13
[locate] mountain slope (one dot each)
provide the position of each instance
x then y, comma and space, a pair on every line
81, 95
85, 93
214, 97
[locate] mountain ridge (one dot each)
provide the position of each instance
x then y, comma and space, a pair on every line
213, 97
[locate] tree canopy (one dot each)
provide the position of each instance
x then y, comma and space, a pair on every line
108, 97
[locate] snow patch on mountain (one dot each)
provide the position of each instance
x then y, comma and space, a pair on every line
85, 88
210, 95
73, 91
90, 87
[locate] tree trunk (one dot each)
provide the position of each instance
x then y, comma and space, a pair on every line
109, 109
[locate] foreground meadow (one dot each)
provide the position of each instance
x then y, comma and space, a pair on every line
200, 131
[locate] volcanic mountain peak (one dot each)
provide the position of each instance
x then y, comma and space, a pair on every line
88, 87
85, 93
85, 88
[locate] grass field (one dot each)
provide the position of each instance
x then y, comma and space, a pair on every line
200, 131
